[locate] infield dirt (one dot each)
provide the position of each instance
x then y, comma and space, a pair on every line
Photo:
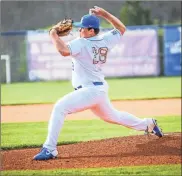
140, 108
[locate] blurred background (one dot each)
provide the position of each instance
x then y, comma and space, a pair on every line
25, 43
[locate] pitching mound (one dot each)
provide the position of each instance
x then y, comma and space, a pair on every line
122, 151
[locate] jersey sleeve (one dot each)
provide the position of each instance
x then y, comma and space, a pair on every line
112, 38
75, 46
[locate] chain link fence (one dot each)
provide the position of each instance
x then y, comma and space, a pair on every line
14, 45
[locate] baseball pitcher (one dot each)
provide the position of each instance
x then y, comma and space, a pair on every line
89, 53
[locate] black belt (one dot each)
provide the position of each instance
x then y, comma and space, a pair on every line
94, 83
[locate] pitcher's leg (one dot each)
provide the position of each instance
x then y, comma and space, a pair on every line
76, 101
108, 113
55, 125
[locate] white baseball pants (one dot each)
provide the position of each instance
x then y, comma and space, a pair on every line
92, 98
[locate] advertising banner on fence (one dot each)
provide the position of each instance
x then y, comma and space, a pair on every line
172, 50
136, 55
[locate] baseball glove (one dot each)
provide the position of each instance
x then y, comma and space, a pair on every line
64, 27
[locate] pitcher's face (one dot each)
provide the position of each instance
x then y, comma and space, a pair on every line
85, 33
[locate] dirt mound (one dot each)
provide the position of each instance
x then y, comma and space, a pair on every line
114, 152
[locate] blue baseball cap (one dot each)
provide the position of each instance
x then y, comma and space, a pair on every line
88, 21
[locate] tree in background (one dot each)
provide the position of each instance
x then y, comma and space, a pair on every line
132, 13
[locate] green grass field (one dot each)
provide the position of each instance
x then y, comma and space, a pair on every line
130, 88
160, 170
18, 135
75, 131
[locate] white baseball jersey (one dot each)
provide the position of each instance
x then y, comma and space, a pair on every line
89, 54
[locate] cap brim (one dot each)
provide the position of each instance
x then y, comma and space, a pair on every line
78, 24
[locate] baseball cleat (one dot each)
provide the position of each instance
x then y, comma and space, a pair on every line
46, 154
154, 128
